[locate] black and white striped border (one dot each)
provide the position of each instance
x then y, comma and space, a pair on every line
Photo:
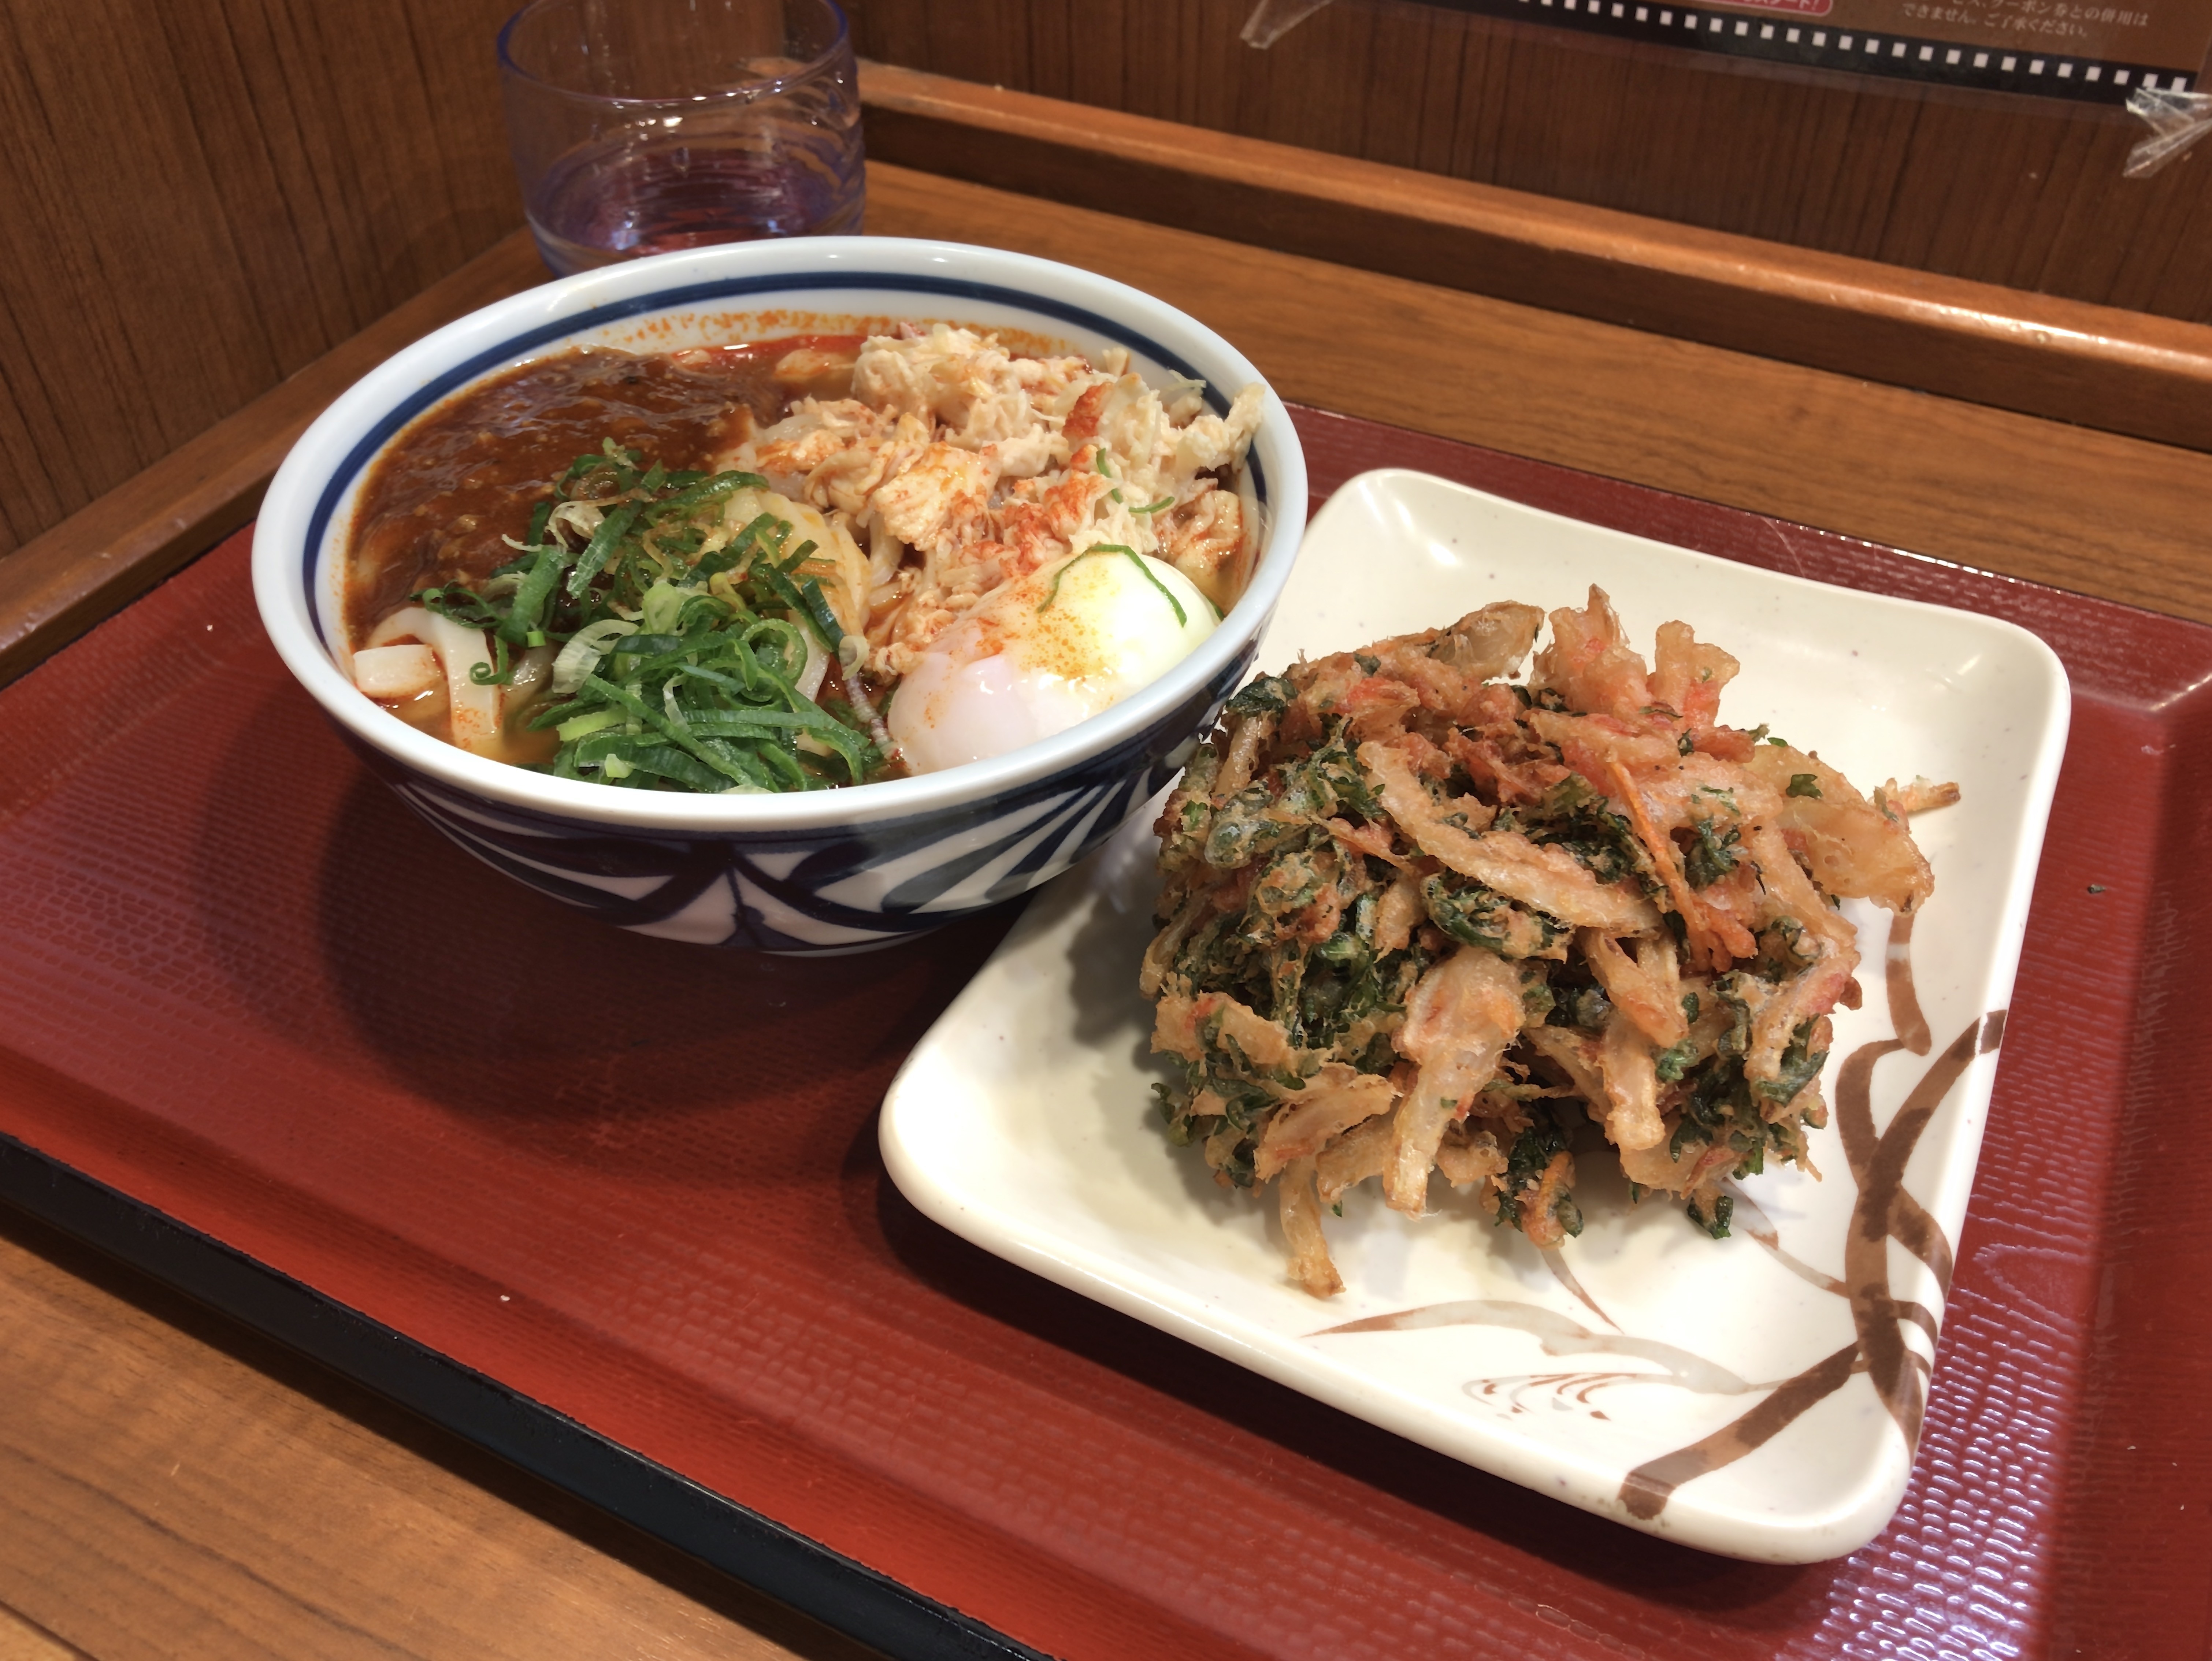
1813, 43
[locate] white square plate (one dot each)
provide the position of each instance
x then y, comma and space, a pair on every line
1758, 1396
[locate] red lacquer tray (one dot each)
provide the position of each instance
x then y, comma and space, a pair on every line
612, 1206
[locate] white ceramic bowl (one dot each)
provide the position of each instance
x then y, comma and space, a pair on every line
828, 870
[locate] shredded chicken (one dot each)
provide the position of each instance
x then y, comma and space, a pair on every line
1417, 919
961, 467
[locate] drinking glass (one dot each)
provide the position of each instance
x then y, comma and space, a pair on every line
639, 126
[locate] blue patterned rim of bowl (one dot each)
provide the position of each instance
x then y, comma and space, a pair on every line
821, 892
775, 873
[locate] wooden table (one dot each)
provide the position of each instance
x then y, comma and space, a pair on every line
172, 1486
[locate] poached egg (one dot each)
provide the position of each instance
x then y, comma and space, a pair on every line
1046, 652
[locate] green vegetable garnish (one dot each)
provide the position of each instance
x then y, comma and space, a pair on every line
1182, 617
683, 643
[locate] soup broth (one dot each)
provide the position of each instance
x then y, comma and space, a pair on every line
437, 505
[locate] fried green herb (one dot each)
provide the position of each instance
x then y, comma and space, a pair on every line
1670, 1063
1468, 911
1532, 1154
1717, 1224
1712, 855
1800, 1065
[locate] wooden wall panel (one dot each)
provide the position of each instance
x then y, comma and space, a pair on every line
2022, 191
224, 190
215, 195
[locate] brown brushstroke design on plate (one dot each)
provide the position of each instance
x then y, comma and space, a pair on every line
1905, 1019
1564, 1272
1558, 1336
1760, 1227
1884, 1209
1645, 1490
1883, 1212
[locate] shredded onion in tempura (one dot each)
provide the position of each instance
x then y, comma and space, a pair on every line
1419, 918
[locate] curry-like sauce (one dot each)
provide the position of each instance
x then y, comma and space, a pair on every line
438, 502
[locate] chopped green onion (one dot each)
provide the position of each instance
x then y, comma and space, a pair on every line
531, 596
612, 528
806, 603
679, 667
1182, 617
1182, 620
583, 726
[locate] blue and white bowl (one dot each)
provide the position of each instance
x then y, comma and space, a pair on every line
826, 872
